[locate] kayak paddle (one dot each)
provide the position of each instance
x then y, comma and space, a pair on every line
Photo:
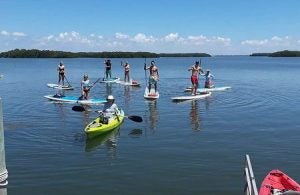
134, 118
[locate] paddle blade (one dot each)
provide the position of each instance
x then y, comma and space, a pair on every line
135, 118
78, 108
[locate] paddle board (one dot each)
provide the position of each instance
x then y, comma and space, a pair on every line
56, 86
74, 99
110, 80
152, 95
191, 97
131, 83
277, 182
203, 90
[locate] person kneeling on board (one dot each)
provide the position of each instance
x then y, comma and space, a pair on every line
208, 79
110, 108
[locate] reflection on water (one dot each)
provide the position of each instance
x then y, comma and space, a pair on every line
126, 96
108, 87
194, 116
153, 114
108, 139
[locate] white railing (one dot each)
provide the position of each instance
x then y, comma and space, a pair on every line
250, 186
3, 171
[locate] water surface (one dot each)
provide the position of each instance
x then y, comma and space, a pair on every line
194, 147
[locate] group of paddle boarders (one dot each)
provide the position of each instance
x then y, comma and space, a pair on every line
196, 71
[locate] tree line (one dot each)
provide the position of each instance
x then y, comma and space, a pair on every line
35, 53
285, 53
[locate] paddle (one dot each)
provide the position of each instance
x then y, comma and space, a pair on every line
67, 81
134, 118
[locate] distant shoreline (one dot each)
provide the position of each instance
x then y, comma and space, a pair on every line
285, 53
35, 53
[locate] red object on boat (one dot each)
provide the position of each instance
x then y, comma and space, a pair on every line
277, 182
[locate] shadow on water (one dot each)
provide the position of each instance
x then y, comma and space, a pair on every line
135, 133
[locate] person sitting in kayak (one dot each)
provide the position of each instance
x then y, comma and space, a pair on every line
85, 87
196, 70
61, 73
107, 68
154, 76
208, 79
110, 108
126, 71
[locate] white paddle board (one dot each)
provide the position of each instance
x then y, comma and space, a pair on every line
191, 97
110, 80
56, 86
152, 95
131, 83
202, 90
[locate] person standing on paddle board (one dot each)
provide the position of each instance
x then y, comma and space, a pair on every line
154, 76
61, 73
126, 72
196, 70
85, 87
107, 68
208, 79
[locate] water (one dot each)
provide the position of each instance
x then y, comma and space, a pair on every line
194, 147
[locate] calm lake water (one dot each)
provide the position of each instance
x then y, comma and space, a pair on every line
194, 147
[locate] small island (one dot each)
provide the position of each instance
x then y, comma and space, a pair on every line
285, 53
35, 53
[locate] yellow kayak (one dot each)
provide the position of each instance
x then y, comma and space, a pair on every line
102, 124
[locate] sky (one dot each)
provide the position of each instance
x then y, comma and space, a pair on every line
216, 27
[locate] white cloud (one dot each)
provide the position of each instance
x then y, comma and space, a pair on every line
13, 34
142, 38
171, 37
275, 38
50, 37
18, 34
255, 42
121, 36
5, 33
168, 43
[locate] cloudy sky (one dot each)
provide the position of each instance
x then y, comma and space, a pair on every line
217, 27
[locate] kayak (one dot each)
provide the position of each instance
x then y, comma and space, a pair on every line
97, 126
56, 86
74, 99
203, 90
110, 80
133, 83
191, 97
152, 95
277, 182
